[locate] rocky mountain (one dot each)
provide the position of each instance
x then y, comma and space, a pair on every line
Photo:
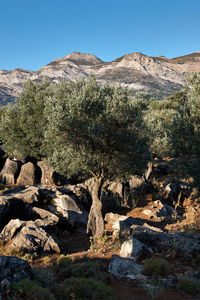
158, 76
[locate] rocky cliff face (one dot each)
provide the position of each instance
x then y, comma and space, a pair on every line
158, 76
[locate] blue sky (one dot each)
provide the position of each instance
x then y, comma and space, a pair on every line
34, 32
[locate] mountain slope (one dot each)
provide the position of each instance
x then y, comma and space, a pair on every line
158, 76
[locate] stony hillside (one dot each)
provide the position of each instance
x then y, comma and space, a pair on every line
158, 76
150, 249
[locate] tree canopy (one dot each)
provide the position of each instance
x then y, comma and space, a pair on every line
88, 129
79, 128
93, 129
23, 124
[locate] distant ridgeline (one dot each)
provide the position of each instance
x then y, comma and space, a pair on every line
157, 76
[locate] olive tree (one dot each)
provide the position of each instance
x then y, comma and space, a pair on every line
95, 130
23, 124
160, 117
185, 130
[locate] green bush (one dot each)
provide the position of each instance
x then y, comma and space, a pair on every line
61, 262
83, 269
32, 290
153, 289
84, 289
45, 276
156, 266
189, 286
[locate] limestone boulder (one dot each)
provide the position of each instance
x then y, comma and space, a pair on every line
186, 245
17, 203
11, 209
88, 184
44, 218
68, 208
156, 240
134, 249
192, 214
27, 174
116, 188
47, 173
171, 191
136, 182
10, 171
14, 269
82, 192
123, 267
29, 195
27, 236
121, 225
158, 209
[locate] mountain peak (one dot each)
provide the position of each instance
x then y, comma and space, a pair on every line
83, 58
158, 76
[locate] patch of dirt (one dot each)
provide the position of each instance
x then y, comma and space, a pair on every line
126, 291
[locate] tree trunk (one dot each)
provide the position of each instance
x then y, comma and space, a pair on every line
95, 221
148, 172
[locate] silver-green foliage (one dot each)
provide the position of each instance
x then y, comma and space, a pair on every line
160, 117
23, 124
79, 128
174, 123
186, 134
94, 129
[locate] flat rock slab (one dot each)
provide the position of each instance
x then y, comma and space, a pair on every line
185, 245
28, 195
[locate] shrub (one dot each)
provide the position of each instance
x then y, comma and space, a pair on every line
32, 290
83, 269
189, 286
61, 262
45, 276
84, 289
191, 228
156, 266
153, 289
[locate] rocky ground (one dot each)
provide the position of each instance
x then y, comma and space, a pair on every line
151, 246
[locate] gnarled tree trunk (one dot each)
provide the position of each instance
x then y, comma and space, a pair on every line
95, 221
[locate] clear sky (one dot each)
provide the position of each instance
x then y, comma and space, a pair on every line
34, 32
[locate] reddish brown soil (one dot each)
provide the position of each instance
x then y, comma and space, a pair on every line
125, 292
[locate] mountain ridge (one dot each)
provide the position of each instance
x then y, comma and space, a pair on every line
158, 76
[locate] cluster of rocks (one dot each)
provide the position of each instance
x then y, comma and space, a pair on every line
29, 173
30, 217
140, 241
33, 213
